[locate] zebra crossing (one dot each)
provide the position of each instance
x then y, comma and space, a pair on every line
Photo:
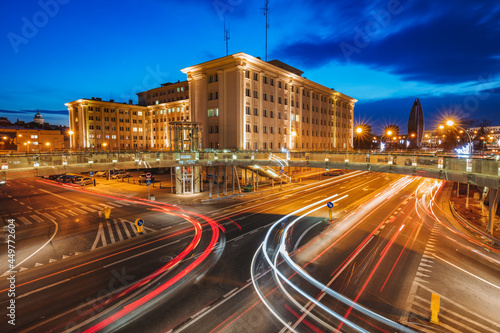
453, 316
32, 218
115, 230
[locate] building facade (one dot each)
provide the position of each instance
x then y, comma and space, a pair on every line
242, 102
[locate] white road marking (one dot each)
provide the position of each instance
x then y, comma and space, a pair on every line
24, 220
110, 233
125, 228
37, 218
113, 204
88, 209
60, 196
79, 211
48, 216
100, 235
463, 270
118, 231
70, 212
59, 213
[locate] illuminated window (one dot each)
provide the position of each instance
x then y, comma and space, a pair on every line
134, 129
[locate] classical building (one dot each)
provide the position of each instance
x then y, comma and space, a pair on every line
38, 119
241, 102
416, 125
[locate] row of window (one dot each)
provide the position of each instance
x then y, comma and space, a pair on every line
167, 92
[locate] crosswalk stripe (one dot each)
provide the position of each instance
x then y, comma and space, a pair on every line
125, 228
24, 220
124, 203
118, 231
110, 232
104, 205
114, 204
79, 211
70, 212
59, 213
37, 218
88, 209
7, 222
48, 215
96, 207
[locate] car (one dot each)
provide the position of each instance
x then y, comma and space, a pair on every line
83, 181
333, 173
248, 188
101, 174
142, 178
120, 174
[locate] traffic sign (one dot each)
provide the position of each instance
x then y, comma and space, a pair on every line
139, 223
148, 182
148, 175
329, 205
91, 173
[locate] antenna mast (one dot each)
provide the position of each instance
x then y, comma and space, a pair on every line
226, 36
266, 14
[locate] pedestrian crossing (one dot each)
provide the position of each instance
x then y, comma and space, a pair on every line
115, 230
32, 218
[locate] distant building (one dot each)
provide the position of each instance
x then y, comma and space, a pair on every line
38, 119
416, 125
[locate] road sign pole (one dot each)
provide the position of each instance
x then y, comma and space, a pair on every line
330, 214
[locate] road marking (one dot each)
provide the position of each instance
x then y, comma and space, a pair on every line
118, 231
79, 211
200, 312
100, 235
60, 196
124, 203
22, 203
98, 208
88, 209
37, 218
463, 270
7, 222
59, 213
15, 199
113, 204
24, 220
229, 293
70, 212
125, 228
48, 216
110, 233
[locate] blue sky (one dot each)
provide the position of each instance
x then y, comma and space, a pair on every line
383, 53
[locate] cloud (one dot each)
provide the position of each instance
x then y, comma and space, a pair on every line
455, 42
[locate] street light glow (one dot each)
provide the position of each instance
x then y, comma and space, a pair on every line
359, 130
70, 132
389, 133
450, 123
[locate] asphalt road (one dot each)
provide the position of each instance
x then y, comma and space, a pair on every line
390, 246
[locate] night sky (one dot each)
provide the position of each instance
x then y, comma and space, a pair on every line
383, 53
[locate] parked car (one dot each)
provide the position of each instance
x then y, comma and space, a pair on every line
83, 181
248, 188
142, 178
120, 174
333, 173
101, 174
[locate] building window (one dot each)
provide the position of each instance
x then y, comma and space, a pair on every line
255, 129
279, 84
255, 111
265, 145
264, 79
247, 127
255, 94
279, 115
264, 130
265, 113
247, 92
255, 76
213, 112
272, 98
279, 100
264, 96
272, 82
271, 114
247, 109
134, 129
247, 74
271, 130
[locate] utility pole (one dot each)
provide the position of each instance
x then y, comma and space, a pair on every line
266, 14
226, 37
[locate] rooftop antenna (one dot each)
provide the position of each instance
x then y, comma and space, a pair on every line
226, 36
266, 14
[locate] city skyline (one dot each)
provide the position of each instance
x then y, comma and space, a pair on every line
67, 55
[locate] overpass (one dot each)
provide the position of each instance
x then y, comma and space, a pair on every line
483, 172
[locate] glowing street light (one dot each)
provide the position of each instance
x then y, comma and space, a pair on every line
359, 130
70, 132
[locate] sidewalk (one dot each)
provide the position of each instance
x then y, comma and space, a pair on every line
477, 213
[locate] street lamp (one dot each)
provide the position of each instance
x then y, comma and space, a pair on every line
70, 132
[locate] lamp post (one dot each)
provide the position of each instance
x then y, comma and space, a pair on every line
70, 132
388, 135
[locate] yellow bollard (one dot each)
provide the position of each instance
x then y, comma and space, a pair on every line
330, 214
139, 223
107, 212
435, 303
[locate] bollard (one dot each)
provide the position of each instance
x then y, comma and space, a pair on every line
107, 212
435, 302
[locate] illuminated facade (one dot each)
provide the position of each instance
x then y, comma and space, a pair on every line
241, 101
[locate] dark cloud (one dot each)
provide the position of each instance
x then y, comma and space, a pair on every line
453, 43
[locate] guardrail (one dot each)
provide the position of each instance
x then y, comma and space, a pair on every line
476, 171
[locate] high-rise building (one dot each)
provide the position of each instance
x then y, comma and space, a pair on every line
241, 101
416, 124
